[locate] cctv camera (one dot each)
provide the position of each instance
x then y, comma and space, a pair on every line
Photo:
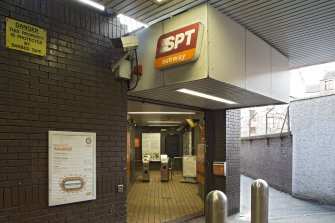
126, 43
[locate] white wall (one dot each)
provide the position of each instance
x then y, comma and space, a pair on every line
313, 130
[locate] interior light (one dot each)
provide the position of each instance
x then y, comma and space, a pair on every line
160, 1
165, 122
162, 125
161, 113
207, 96
94, 4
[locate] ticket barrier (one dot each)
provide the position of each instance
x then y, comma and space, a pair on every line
164, 168
146, 169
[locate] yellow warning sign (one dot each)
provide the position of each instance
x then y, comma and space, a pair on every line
24, 37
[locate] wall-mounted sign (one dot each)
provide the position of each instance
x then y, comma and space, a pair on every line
189, 166
24, 37
219, 168
180, 46
72, 167
137, 143
151, 145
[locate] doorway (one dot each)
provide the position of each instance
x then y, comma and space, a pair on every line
163, 133
172, 146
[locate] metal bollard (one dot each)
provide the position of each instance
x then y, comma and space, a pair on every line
216, 207
259, 202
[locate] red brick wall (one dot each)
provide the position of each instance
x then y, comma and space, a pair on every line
71, 89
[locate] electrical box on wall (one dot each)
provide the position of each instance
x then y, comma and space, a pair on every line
219, 168
124, 70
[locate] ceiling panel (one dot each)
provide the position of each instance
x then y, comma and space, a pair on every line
209, 86
303, 30
143, 120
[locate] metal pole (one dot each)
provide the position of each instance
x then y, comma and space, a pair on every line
266, 120
216, 207
259, 202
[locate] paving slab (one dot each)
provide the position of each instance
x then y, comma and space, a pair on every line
283, 208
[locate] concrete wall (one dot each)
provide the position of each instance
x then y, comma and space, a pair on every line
268, 158
312, 125
70, 89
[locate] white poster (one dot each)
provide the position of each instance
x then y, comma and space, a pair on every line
72, 167
189, 166
151, 145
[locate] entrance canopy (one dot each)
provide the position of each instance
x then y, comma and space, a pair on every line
202, 58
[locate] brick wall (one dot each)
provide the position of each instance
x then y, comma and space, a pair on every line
268, 158
312, 125
70, 89
233, 143
223, 144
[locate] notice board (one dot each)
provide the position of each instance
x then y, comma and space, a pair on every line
189, 166
151, 145
72, 167
25, 37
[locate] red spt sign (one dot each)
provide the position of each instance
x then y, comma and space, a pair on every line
180, 46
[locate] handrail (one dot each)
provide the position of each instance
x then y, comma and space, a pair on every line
287, 116
266, 120
250, 122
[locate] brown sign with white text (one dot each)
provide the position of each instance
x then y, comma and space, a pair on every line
180, 46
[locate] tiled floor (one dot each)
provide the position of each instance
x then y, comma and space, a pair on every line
283, 208
157, 201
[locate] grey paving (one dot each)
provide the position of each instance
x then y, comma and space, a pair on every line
283, 208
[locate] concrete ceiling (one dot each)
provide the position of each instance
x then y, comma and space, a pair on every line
303, 30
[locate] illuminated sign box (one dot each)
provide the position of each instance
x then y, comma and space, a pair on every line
180, 46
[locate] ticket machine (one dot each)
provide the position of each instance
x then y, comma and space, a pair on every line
164, 168
146, 168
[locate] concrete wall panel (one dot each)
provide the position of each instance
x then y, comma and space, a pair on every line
258, 65
194, 70
313, 124
146, 57
280, 76
226, 49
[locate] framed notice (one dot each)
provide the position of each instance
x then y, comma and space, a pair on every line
25, 37
151, 145
72, 167
189, 166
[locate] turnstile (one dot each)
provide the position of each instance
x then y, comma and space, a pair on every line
164, 168
146, 168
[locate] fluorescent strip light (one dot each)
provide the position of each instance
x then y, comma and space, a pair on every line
162, 125
164, 122
161, 113
207, 96
160, 1
94, 4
